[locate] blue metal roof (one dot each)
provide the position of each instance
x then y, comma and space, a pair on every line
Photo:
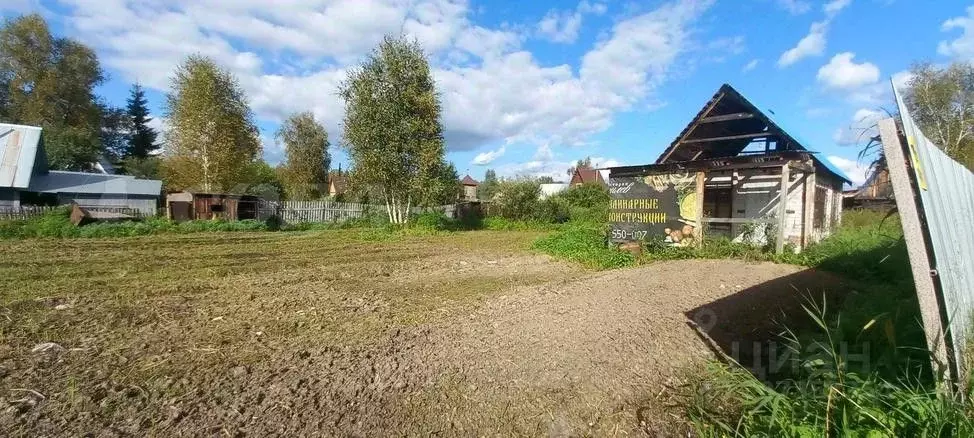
777, 120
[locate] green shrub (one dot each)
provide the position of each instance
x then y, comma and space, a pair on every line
553, 210
589, 195
586, 245
274, 223
516, 200
435, 221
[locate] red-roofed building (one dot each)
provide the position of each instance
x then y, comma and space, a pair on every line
583, 176
469, 188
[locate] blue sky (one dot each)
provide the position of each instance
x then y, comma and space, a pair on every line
529, 87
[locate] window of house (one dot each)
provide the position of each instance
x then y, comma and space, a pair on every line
821, 194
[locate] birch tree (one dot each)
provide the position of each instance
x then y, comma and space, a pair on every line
306, 162
942, 100
212, 140
392, 128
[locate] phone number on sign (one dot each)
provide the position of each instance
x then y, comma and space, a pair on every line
629, 235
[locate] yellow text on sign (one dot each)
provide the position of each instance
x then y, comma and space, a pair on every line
634, 204
638, 217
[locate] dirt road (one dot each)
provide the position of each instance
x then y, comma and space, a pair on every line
464, 335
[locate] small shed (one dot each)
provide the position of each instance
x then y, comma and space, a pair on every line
469, 188
184, 206
735, 172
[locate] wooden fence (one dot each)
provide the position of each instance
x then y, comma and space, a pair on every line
25, 212
294, 212
30, 211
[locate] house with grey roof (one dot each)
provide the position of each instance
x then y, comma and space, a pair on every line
25, 178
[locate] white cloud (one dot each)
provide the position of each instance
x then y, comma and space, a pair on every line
21, 6
751, 65
795, 7
963, 46
563, 26
902, 79
842, 73
723, 48
556, 169
485, 158
560, 27
812, 44
835, 6
544, 153
291, 55
860, 129
856, 171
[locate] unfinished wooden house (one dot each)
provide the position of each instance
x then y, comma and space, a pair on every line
733, 172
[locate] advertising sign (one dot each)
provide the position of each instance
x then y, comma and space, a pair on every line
659, 208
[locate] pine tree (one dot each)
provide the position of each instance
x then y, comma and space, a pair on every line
142, 138
212, 139
488, 188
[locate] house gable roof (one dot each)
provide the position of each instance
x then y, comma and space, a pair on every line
726, 125
468, 181
584, 175
336, 183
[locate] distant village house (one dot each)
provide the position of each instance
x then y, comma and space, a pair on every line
469, 192
25, 179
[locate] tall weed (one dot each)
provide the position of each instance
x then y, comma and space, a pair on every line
585, 244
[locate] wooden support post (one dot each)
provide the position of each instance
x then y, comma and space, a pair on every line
808, 219
916, 248
701, 182
779, 243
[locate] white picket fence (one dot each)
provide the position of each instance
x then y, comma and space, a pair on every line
295, 212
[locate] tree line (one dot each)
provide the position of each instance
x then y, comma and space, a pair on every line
49, 82
392, 125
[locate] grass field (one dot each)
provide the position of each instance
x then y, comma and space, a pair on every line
349, 332
144, 320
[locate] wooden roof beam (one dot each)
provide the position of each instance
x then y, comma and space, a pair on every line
729, 137
727, 118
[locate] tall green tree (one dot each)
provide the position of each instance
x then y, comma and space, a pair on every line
942, 101
585, 163
212, 139
142, 137
392, 127
115, 128
306, 161
49, 82
488, 188
264, 181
